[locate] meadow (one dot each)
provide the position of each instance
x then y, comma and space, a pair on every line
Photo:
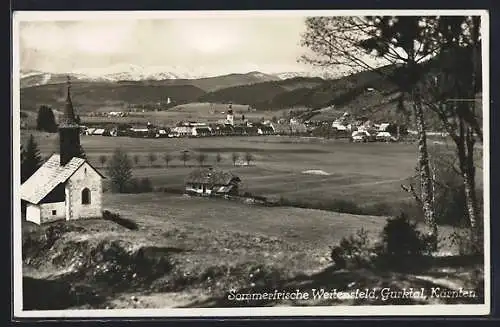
215, 245
365, 173
190, 251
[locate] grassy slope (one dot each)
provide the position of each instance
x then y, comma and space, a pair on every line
214, 246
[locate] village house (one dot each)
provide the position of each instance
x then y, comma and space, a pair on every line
210, 181
182, 130
223, 130
66, 186
99, 131
201, 131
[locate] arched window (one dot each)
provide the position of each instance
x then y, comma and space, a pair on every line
85, 196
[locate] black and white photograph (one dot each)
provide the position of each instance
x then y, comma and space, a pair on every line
251, 163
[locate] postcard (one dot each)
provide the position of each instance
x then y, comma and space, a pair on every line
251, 163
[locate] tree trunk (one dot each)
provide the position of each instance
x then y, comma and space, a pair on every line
465, 153
470, 181
470, 171
425, 172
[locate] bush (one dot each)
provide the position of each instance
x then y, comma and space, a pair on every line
467, 244
132, 186
355, 251
402, 244
145, 185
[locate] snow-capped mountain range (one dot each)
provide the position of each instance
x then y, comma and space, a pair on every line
139, 73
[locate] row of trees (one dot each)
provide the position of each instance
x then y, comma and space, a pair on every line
435, 65
120, 167
184, 156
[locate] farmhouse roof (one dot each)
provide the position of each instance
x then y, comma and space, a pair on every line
48, 176
266, 128
384, 126
211, 176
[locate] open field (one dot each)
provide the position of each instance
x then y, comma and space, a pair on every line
364, 172
179, 257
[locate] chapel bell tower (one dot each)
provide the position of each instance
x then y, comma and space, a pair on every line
69, 131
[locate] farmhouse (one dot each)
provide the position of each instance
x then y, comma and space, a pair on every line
182, 130
66, 186
90, 131
265, 130
201, 131
210, 181
99, 131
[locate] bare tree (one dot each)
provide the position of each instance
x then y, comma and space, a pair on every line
152, 158
167, 158
120, 171
184, 156
234, 157
201, 158
218, 158
367, 43
137, 159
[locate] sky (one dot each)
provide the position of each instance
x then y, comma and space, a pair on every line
206, 45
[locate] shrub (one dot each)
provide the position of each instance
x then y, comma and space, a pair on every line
145, 185
402, 244
465, 242
132, 186
355, 250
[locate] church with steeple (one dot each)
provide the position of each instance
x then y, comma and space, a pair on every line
66, 186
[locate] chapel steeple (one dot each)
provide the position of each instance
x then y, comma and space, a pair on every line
69, 131
68, 118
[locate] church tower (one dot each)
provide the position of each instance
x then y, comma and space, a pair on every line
69, 131
230, 115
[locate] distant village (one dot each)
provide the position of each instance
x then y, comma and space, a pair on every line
354, 129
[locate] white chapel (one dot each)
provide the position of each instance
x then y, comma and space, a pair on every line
66, 186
